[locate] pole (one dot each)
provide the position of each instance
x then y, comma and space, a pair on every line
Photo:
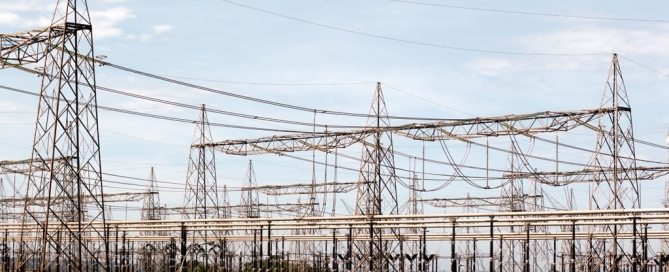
335, 267
401, 257
371, 246
255, 260
424, 257
492, 245
262, 264
526, 267
501, 253
572, 261
454, 263
554, 264
269, 245
183, 248
634, 253
474, 257
349, 250
645, 248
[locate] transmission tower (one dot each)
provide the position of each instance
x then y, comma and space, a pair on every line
151, 207
514, 192
250, 200
249, 208
201, 198
150, 261
414, 206
618, 188
226, 212
201, 194
66, 127
377, 192
616, 184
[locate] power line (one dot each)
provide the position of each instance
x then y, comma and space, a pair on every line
646, 67
236, 95
259, 100
217, 111
425, 99
412, 42
273, 83
587, 17
164, 117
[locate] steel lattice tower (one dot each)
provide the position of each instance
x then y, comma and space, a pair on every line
66, 127
151, 206
226, 211
377, 193
201, 197
149, 259
615, 182
249, 205
513, 193
250, 199
616, 185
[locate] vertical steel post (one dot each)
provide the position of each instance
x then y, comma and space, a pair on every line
492, 245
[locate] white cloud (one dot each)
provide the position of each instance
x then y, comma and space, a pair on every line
140, 37
27, 6
489, 66
602, 40
24, 15
145, 37
160, 29
11, 106
9, 18
649, 42
106, 22
27, 14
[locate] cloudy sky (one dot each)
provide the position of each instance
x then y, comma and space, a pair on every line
446, 59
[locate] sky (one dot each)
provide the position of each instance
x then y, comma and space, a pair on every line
443, 59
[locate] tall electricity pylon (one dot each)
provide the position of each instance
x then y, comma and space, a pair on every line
616, 184
201, 198
64, 234
151, 207
249, 206
377, 192
149, 259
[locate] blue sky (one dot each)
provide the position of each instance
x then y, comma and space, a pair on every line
226, 46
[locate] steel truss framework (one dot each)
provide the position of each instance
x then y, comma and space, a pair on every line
201, 193
66, 128
643, 227
64, 223
517, 124
472, 201
613, 165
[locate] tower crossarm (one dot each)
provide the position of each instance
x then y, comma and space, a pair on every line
303, 188
24, 166
280, 207
516, 124
472, 201
290, 143
586, 175
27, 47
113, 197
